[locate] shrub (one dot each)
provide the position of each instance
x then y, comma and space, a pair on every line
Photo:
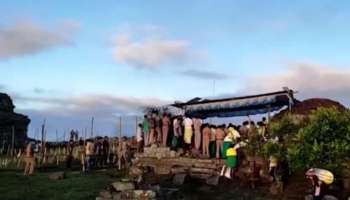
324, 142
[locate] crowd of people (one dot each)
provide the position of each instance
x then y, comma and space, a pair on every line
92, 153
192, 136
195, 136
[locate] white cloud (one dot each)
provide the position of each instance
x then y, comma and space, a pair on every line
150, 50
309, 79
27, 37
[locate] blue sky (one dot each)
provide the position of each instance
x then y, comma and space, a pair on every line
70, 60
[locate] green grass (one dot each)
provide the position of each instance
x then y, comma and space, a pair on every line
15, 186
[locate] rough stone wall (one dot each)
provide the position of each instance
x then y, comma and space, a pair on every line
9, 121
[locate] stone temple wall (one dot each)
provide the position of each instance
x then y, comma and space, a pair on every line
11, 122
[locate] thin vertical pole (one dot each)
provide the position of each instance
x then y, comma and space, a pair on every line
92, 127
42, 136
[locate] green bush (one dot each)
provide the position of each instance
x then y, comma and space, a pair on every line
324, 142
287, 127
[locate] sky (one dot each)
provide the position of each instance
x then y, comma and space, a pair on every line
68, 61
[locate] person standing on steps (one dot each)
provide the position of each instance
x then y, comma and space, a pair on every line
197, 124
165, 128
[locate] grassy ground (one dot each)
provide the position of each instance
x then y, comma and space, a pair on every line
15, 186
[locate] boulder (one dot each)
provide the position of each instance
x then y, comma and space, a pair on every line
144, 194
57, 176
106, 194
308, 197
329, 197
116, 195
275, 189
173, 154
123, 186
179, 179
101, 198
213, 180
326, 197
135, 171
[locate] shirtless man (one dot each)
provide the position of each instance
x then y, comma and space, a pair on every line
220, 135
158, 121
89, 154
197, 123
206, 140
165, 128
152, 124
29, 160
177, 130
122, 152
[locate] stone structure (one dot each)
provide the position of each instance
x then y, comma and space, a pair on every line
11, 122
302, 109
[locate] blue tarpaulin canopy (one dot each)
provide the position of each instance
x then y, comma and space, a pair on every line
237, 106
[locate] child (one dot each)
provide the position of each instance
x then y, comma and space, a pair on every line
230, 162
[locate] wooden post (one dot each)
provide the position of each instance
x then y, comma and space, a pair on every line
42, 136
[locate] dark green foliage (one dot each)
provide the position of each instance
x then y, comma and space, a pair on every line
15, 186
287, 127
274, 149
324, 142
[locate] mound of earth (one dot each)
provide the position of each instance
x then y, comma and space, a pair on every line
305, 108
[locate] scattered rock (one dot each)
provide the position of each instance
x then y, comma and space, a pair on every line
106, 194
57, 176
308, 197
155, 188
123, 186
329, 197
116, 196
213, 180
144, 194
135, 171
173, 154
276, 188
179, 179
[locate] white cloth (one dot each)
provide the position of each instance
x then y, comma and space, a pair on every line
139, 137
175, 123
188, 122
